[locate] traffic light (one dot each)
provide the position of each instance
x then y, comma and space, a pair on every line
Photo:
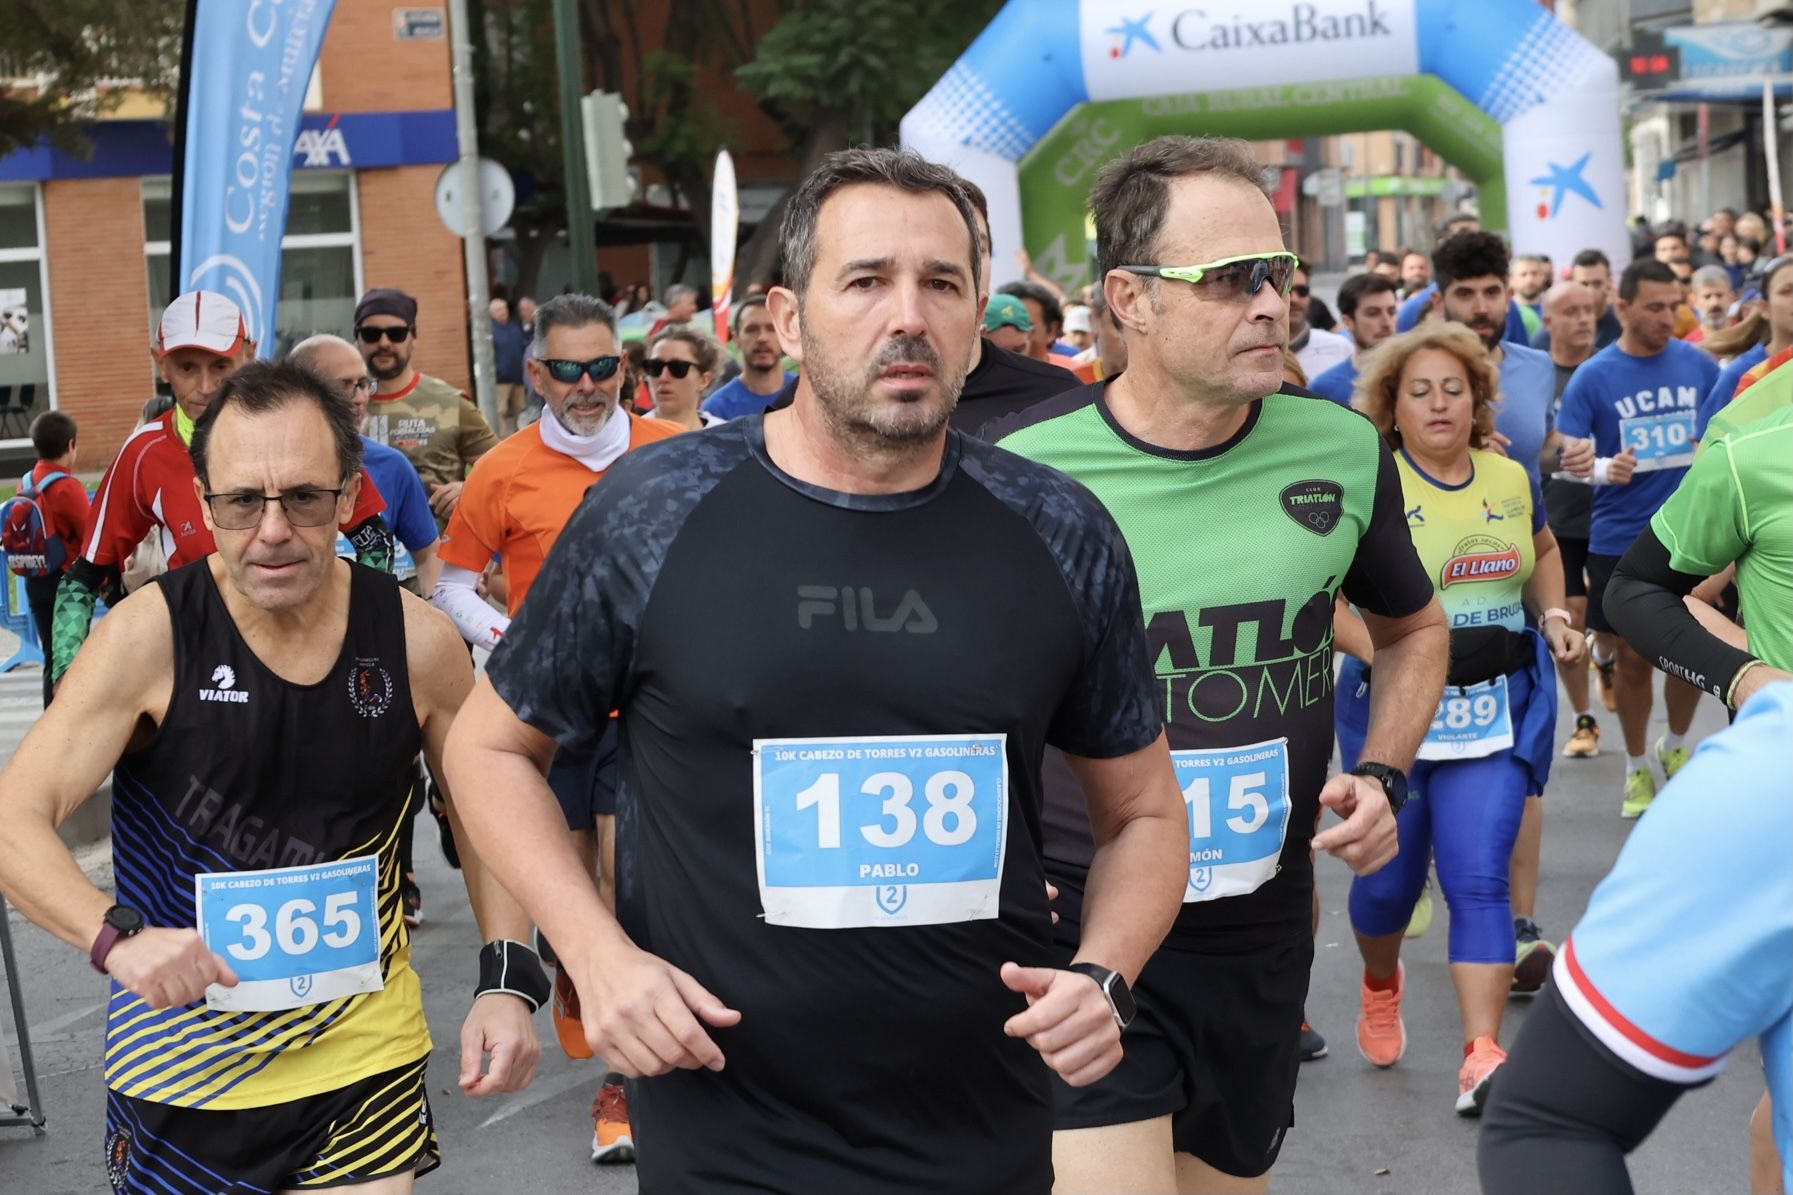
607, 150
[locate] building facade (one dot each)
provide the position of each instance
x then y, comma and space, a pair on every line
84, 242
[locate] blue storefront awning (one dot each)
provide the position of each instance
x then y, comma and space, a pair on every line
326, 141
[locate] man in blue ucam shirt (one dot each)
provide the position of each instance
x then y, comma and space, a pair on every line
1636, 399
1367, 311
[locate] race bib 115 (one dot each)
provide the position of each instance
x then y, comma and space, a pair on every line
852, 833
1237, 799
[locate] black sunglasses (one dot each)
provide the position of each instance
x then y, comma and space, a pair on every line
563, 370
678, 369
1301, 290
371, 335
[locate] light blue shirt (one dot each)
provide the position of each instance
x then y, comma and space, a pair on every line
1527, 394
1338, 382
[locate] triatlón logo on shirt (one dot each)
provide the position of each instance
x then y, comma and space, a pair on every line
1316, 505
224, 681
1479, 558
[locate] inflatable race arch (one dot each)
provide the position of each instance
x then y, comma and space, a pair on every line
1504, 91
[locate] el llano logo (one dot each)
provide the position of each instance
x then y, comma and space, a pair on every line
1479, 558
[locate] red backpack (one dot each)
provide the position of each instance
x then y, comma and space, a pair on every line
31, 551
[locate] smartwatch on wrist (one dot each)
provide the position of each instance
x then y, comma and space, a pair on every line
1393, 781
1114, 990
122, 921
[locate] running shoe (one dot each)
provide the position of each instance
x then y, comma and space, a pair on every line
411, 896
567, 1025
1603, 674
1532, 957
1421, 920
1640, 790
611, 1141
1477, 1074
1381, 1038
1585, 742
1672, 759
1313, 1046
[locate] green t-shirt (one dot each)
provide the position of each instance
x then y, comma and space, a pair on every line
1240, 550
1736, 504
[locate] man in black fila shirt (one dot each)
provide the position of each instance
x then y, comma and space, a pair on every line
260, 710
831, 902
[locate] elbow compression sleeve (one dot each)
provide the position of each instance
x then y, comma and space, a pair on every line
1643, 603
373, 543
76, 597
457, 597
1566, 1107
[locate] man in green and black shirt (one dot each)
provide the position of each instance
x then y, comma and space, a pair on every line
1248, 509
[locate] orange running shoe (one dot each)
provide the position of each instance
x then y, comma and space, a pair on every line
567, 1025
1381, 1038
611, 1141
1473, 1081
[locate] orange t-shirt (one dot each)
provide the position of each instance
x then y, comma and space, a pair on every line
518, 499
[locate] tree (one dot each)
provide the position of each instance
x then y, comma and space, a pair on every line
842, 72
829, 73
86, 55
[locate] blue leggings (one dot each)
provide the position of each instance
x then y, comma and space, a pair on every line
1468, 812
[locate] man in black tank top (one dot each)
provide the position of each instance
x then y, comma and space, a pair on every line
260, 710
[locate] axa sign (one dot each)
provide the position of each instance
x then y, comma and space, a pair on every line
321, 147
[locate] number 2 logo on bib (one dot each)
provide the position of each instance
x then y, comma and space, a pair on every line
1237, 799
852, 833
294, 935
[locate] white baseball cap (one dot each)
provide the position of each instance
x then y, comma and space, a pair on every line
202, 319
1077, 319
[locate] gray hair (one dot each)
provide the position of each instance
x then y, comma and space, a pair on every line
307, 351
678, 291
1712, 276
1131, 197
569, 311
902, 169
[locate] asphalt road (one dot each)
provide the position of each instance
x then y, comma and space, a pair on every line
1357, 1129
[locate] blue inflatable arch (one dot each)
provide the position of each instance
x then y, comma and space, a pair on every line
1554, 95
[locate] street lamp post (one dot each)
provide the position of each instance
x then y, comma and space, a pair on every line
580, 244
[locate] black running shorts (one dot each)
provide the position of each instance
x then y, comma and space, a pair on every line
371, 1129
584, 782
1600, 570
1216, 1047
1575, 565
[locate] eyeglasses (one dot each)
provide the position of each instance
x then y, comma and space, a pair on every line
1230, 278
678, 369
1301, 290
371, 335
350, 387
306, 506
568, 372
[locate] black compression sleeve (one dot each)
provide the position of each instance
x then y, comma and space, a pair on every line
1567, 1107
1643, 603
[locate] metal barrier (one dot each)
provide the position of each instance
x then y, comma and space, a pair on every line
31, 1111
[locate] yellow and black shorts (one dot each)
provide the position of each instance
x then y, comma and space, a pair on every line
373, 1128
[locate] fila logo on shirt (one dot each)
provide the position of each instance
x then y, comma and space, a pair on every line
224, 680
857, 609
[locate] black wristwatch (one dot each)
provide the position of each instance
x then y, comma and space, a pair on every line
1114, 990
1393, 780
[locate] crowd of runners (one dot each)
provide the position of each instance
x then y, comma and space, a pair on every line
935, 690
